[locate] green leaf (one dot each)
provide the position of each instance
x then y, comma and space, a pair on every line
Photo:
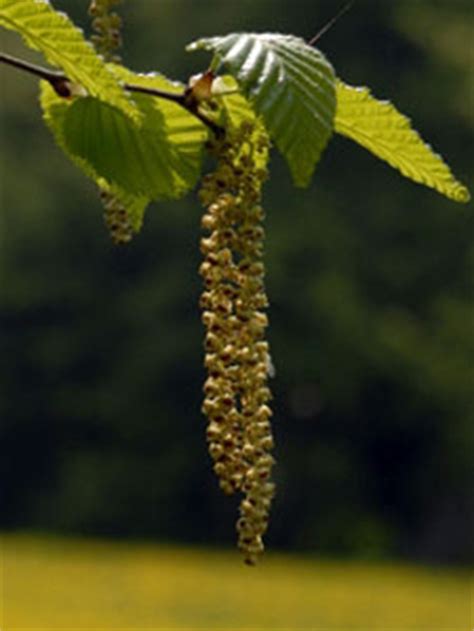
182, 135
158, 159
55, 109
382, 129
290, 84
63, 45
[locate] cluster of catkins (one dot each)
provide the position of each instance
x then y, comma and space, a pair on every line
237, 357
107, 39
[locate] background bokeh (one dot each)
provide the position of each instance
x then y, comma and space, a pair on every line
370, 282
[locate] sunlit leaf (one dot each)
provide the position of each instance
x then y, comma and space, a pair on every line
63, 45
288, 83
55, 109
158, 159
382, 129
182, 132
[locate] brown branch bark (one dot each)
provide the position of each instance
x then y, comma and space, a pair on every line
59, 80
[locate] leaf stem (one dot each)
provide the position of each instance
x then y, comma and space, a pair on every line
58, 80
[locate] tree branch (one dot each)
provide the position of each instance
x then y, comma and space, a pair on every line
169, 96
43, 73
184, 99
60, 81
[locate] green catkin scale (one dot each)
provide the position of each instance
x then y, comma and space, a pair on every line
237, 357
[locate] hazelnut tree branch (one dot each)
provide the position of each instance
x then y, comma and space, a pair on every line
60, 81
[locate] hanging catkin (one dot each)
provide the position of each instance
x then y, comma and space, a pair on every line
107, 25
107, 39
237, 356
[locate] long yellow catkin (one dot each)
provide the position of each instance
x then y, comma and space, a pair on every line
237, 356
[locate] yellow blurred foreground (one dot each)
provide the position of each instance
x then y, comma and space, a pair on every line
53, 583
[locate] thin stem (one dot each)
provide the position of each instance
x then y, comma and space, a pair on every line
43, 73
169, 96
331, 23
58, 78
181, 99
214, 127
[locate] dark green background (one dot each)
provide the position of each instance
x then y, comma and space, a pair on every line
370, 282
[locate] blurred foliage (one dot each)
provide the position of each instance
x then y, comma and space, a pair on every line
51, 582
370, 282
